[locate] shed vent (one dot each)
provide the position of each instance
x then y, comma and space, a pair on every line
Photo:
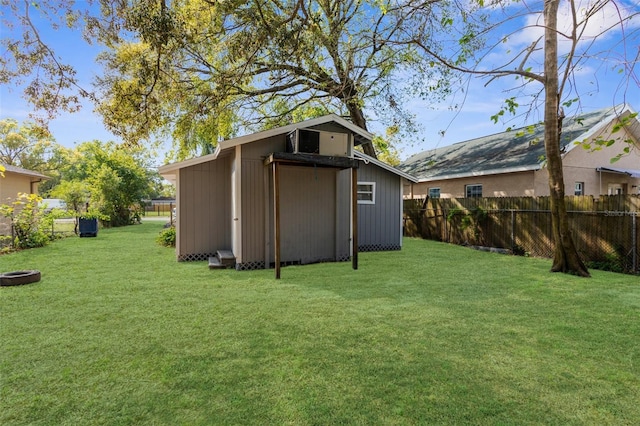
318, 142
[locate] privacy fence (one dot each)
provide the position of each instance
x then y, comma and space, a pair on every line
606, 230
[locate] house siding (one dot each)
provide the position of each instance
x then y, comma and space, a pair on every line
10, 186
505, 185
204, 222
380, 224
580, 165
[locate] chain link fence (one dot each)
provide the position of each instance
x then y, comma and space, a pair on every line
54, 229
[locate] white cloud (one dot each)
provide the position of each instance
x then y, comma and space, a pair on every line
593, 22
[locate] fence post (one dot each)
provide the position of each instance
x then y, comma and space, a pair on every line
446, 229
634, 240
513, 229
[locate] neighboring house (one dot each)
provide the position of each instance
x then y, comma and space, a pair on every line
15, 181
511, 164
286, 196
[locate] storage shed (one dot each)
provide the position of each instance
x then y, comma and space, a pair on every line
292, 195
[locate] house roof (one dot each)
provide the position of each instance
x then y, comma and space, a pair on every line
629, 172
360, 134
512, 151
21, 171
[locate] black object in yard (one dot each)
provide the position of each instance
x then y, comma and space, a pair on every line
88, 227
19, 278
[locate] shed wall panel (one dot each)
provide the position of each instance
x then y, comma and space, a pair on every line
205, 209
253, 211
380, 224
343, 214
307, 214
260, 149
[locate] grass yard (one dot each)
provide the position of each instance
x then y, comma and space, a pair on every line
119, 333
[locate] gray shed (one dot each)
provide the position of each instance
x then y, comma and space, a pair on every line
293, 195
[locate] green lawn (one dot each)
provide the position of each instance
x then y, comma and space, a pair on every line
119, 333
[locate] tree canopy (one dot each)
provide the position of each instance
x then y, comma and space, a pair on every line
114, 180
26, 145
200, 70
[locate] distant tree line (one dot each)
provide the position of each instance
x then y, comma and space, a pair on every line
98, 179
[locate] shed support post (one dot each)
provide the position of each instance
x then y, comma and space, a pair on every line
276, 216
354, 216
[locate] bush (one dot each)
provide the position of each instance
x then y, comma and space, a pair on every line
612, 262
26, 221
167, 237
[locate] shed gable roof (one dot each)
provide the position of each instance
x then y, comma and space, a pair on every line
361, 135
511, 151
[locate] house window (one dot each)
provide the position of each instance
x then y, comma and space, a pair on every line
579, 189
473, 191
615, 189
366, 192
434, 192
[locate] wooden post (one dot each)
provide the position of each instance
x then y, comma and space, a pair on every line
276, 216
354, 216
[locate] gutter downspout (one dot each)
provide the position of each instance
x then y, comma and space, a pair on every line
31, 185
600, 174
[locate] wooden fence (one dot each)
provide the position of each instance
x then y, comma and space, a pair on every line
159, 209
606, 230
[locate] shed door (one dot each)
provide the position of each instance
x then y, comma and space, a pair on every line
307, 214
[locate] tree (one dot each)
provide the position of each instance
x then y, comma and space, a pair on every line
49, 83
115, 178
552, 68
76, 195
28, 146
200, 70
565, 256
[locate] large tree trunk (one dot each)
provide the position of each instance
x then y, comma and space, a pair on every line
565, 257
357, 118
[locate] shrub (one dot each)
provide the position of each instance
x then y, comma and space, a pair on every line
26, 221
167, 237
612, 262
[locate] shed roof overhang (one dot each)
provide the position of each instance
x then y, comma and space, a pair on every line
367, 159
278, 159
302, 159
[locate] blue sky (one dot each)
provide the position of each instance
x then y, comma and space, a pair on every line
598, 84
